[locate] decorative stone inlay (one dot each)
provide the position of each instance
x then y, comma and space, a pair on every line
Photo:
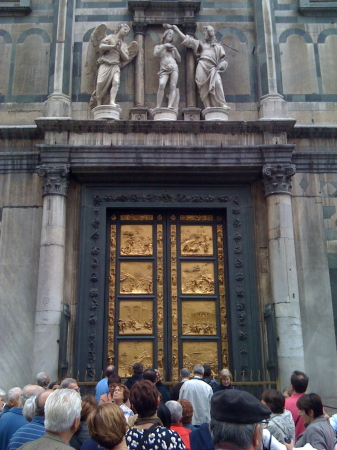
277, 178
55, 179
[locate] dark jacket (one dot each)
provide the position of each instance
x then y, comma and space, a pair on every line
132, 380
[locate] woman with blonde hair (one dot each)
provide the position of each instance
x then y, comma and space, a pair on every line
107, 427
226, 379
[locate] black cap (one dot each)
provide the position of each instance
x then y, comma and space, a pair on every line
234, 406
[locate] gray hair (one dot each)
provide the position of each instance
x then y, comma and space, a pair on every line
198, 369
62, 408
29, 408
30, 390
185, 373
239, 435
176, 410
42, 379
3, 394
67, 382
14, 393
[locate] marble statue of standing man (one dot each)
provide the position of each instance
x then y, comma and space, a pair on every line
211, 62
169, 57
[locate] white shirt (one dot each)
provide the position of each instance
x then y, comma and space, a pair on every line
199, 394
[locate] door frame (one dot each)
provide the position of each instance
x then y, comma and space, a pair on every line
243, 329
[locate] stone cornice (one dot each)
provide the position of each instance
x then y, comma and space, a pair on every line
168, 158
149, 126
21, 132
313, 132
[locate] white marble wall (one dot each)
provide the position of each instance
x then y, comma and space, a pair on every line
314, 286
21, 204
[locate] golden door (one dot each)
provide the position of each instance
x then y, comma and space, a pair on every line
167, 301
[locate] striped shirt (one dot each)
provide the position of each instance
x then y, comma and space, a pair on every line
29, 432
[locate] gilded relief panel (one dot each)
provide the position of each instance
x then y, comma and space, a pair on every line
200, 352
136, 240
130, 352
198, 318
196, 240
197, 277
135, 317
136, 277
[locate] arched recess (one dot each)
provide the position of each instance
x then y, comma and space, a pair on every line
298, 62
327, 44
237, 76
5, 55
31, 71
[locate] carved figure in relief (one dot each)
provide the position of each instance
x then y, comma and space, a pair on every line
110, 53
169, 57
212, 61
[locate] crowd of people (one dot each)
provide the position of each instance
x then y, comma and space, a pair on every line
198, 413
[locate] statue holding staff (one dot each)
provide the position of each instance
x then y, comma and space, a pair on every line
212, 61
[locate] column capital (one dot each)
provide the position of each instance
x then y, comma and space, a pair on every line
277, 178
139, 28
55, 179
189, 28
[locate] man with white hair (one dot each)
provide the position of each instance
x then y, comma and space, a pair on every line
13, 419
176, 411
43, 379
62, 418
35, 429
199, 394
3, 403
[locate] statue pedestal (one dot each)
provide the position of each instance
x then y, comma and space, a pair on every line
139, 113
191, 113
216, 113
107, 112
164, 114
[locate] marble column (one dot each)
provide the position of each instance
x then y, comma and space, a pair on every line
49, 304
139, 112
282, 259
191, 112
58, 103
272, 104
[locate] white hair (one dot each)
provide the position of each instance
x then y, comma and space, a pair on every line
42, 379
2, 394
29, 408
14, 393
62, 408
176, 410
198, 369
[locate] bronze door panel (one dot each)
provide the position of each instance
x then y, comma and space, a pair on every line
167, 305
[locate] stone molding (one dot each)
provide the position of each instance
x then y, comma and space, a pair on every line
277, 178
59, 125
55, 179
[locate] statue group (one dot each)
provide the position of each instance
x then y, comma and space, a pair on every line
107, 54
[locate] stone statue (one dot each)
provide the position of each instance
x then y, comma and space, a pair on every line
109, 53
211, 62
169, 70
